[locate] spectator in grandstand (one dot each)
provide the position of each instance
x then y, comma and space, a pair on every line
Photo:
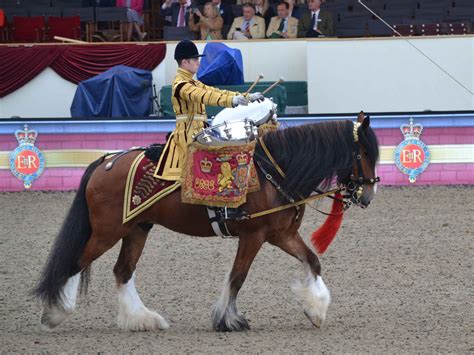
176, 14
283, 25
294, 11
248, 26
225, 11
262, 9
134, 15
210, 23
316, 22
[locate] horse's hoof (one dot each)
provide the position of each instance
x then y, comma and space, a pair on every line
52, 317
239, 324
142, 320
315, 320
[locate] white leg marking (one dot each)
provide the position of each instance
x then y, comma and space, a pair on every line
70, 292
220, 307
133, 315
224, 314
52, 315
314, 297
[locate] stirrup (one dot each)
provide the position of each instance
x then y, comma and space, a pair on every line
235, 214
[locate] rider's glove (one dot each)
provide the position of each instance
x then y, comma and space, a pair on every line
256, 97
239, 100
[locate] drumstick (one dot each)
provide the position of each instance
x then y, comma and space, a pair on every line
273, 85
260, 77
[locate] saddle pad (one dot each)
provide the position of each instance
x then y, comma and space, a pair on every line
142, 190
219, 176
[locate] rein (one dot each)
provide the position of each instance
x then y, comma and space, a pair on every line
269, 156
290, 205
353, 187
293, 203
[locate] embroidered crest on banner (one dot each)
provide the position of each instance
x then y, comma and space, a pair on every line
26, 161
219, 176
412, 156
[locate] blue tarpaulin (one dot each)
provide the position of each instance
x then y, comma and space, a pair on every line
221, 65
119, 92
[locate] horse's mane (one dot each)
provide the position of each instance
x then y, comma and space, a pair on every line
314, 154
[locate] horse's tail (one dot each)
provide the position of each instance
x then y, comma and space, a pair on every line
327, 232
63, 260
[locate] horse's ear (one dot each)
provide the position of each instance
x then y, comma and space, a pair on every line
366, 122
360, 117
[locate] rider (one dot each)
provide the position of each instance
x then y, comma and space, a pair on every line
189, 97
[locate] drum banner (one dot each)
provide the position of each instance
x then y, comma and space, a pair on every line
219, 176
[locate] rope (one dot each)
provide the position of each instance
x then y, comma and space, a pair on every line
419, 50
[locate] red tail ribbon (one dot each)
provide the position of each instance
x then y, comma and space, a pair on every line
327, 232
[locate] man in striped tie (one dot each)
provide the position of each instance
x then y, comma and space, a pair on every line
176, 14
248, 26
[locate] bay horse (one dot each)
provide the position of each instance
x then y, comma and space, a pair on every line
311, 156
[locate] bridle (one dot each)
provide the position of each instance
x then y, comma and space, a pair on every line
354, 185
351, 188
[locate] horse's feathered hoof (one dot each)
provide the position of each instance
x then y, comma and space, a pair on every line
142, 320
52, 317
239, 324
315, 321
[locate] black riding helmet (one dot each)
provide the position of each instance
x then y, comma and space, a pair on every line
185, 50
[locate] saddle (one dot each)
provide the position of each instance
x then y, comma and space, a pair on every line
142, 189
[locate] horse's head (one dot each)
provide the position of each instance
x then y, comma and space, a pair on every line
362, 181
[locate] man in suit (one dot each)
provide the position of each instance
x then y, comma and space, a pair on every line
176, 14
283, 25
316, 22
248, 26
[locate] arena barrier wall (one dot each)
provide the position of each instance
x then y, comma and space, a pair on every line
70, 145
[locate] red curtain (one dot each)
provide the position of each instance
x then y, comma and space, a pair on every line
81, 62
18, 65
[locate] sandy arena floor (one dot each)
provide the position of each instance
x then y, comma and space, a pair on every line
400, 274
